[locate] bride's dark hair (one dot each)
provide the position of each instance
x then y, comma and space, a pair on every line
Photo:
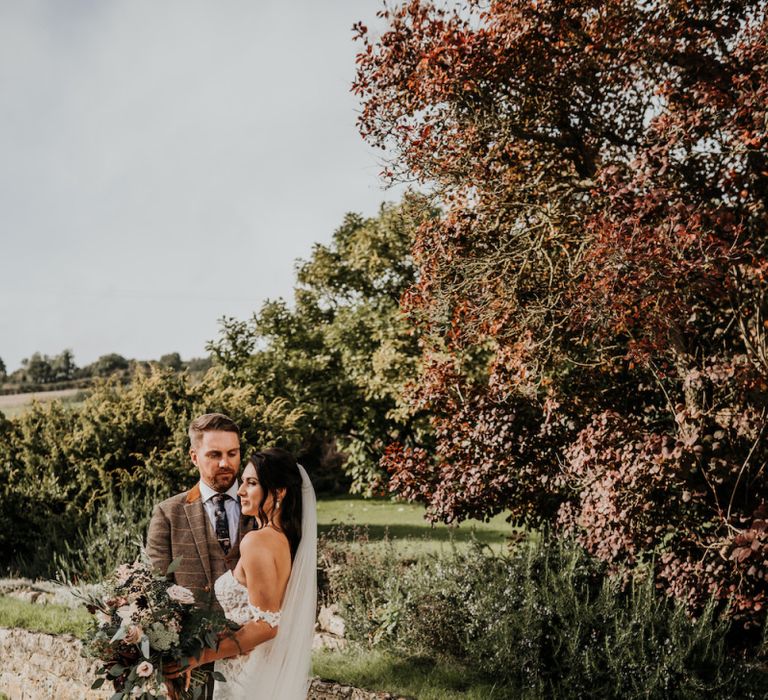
278, 469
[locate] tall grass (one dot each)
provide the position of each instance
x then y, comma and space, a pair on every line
545, 621
113, 537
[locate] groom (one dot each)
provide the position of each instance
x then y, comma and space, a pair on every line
202, 525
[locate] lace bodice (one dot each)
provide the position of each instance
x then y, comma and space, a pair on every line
233, 598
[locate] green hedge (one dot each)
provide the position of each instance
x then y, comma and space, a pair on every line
62, 470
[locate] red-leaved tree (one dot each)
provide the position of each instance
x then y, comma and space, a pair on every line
594, 296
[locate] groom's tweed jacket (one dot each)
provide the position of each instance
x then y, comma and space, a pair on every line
181, 528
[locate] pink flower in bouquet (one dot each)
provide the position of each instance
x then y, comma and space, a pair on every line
144, 669
174, 625
133, 635
181, 595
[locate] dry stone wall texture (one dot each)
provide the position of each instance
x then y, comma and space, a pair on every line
36, 666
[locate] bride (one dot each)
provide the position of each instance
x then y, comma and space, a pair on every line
272, 591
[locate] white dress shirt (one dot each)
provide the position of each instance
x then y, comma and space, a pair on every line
231, 505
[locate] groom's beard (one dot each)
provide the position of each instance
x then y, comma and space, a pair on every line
223, 480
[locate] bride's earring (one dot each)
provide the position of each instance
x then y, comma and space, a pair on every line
277, 505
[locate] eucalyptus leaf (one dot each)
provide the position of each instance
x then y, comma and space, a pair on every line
173, 566
116, 670
97, 683
121, 632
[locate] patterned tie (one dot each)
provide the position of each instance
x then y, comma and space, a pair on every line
222, 524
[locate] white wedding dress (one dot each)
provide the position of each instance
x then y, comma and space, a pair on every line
279, 668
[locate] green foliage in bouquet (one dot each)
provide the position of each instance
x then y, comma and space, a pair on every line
142, 623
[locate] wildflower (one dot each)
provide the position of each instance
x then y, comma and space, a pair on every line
181, 595
133, 635
144, 669
161, 637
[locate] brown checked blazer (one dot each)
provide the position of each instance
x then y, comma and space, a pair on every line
180, 528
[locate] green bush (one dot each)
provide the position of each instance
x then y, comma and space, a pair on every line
65, 471
544, 621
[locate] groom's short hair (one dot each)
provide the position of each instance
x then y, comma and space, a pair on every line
210, 421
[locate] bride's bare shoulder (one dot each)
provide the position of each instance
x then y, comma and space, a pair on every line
266, 538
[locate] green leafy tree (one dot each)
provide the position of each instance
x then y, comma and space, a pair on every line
198, 365
3, 370
343, 352
37, 369
45, 369
107, 365
63, 366
172, 360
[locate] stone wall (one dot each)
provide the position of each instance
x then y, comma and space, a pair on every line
35, 666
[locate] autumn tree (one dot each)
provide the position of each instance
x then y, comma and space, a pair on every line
603, 174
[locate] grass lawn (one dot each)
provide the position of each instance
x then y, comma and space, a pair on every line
405, 524
414, 677
13, 405
53, 619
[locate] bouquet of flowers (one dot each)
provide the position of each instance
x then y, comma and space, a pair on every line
143, 623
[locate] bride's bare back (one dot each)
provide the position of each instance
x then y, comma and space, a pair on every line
264, 567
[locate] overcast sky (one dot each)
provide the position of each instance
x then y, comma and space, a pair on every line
164, 163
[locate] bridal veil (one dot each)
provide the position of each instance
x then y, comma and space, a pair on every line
279, 669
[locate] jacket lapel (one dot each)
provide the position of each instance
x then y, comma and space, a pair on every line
198, 525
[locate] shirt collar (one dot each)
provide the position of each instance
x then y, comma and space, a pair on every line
206, 492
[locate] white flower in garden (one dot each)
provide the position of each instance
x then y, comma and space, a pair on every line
133, 635
137, 690
144, 669
181, 595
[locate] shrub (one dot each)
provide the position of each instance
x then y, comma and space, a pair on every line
65, 471
547, 621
